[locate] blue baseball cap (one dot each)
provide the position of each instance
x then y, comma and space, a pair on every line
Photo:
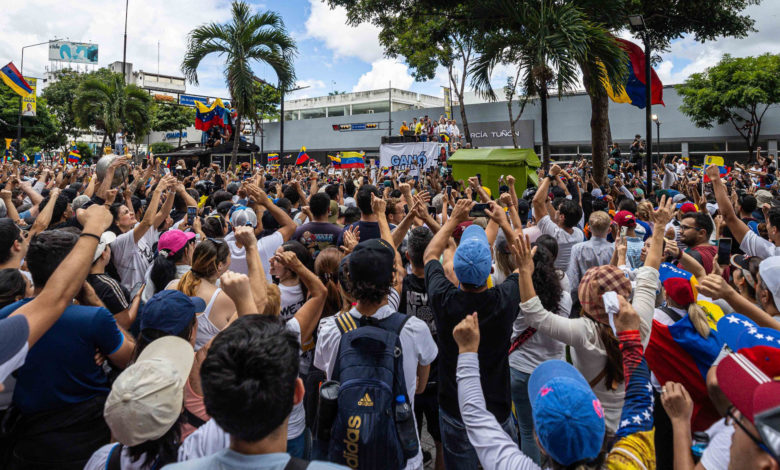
568, 417
170, 311
472, 262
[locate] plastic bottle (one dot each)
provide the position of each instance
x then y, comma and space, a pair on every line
700, 442
404, 423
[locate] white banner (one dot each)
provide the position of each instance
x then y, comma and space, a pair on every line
413, 156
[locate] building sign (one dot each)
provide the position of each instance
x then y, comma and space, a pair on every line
414, 156
78, 52
175, 135
29, 101
189, 100
356, 126
499, 134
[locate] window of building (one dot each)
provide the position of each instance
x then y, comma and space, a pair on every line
337, 111
706, 146
375, 107
312, 113
291, 116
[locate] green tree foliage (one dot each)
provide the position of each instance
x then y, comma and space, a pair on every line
738, 91
168, 117
267, 99
160, 147
247, 38
39, 131
85, 151
108, 104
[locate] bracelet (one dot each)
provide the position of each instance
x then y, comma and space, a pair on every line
85, 234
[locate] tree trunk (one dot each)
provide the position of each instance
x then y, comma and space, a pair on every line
545, 133
599, 123
463, 118
181, 131
512, 122
102, 146
236, 140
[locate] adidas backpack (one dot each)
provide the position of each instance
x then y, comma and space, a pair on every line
369, 367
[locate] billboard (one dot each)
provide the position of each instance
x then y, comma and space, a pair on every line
499, 133
78, 52
189, 100
29, 103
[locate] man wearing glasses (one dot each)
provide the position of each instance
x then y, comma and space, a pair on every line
695, 231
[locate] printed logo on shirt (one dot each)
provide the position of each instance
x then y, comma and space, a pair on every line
417, 305
290, 310
366, 401
351, 441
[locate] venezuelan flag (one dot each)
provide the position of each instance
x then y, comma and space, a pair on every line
11, 77
25, 158
352, 160
273, 157
207, 117
74, 156
723, 170
633, 91
303, 157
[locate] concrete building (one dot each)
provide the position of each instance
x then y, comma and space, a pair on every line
361, 102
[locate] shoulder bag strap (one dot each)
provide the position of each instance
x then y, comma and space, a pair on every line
672, 314
296, 464
113, 462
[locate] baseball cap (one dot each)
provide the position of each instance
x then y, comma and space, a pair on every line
105, 239
243, 216
679, 290
688, 207
638, 192
146, 399
678, 197
568, 418
14, 332
79, 201
472, 262
595, 283
373, 261
458, 232
763, 197
596, 192
625, 219
174, 240
170, 311
769, 270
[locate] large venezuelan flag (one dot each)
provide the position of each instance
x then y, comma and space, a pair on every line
14, 80
207, 117
679, 353
352, 160
303, 157
634, 87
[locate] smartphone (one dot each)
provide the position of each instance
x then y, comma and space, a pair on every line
501, 178
167, 171
192, 212
432, 210
724, 251
479, 210
479, 178
136, 289
449, 191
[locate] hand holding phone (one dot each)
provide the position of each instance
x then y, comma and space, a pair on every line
479, 210
724, 251
192, 212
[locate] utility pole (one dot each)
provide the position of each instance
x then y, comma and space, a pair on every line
124, 48
19, 121
390, 109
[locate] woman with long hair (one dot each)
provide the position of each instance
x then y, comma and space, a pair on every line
326, 267
530, 348
210, 260
293, 291
174, 255
595, 350
14, 286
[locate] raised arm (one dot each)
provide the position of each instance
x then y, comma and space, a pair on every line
308, 315
151, 211
43, 219
287, 225
439, 242
257, 281
715, 287
735, 224
378, 206
540, 198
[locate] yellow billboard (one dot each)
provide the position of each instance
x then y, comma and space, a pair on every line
29, 104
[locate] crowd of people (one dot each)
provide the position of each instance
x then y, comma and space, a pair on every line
305, 317
426, 129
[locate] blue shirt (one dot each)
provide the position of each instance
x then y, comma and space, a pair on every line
227, 459
60, 369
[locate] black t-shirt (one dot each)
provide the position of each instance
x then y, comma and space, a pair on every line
115, 297
497, 308
414, 301
318, 234
368, 231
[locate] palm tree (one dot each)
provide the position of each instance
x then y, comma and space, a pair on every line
548, 38
260, 37
110, 105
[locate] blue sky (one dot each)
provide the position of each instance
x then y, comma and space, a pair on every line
332, 55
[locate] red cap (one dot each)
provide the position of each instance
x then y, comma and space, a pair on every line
458, 232
625, 219
746, 386
679, 290
688, 207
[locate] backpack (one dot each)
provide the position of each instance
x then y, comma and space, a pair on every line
369, 367
114, 461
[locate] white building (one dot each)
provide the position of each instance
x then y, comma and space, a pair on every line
361, 102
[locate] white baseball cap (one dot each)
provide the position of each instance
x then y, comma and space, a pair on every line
147, 398
769, 270
106, 239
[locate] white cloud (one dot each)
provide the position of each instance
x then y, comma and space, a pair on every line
102, 22
382, 72
330, 26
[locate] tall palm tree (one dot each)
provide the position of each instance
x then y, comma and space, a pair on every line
549, 38
110, 105
261, 37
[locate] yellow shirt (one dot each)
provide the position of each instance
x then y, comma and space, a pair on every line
404, 129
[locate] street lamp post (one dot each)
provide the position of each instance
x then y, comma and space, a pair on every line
637, 24
124, 47
657, 136
19, 121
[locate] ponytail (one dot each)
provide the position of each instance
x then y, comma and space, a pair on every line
699, 319
189, 283
614, 367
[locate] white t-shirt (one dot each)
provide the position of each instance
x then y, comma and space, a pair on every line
133, 259
565, 240
416, 342
266, 246
539, 347
718, 452
211, 438
99, 459
292, 299
753, 245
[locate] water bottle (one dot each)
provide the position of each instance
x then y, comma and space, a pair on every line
404, 424
700, 442
327, 409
